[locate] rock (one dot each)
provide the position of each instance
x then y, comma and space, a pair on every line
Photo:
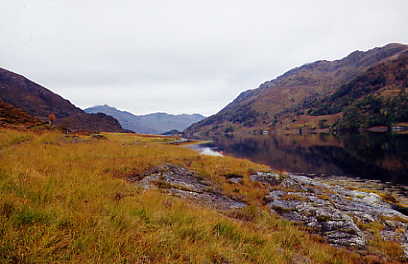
319, 214
234, 178
267, 177
333, 211
184, 183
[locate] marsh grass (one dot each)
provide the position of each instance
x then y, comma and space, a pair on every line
69, 201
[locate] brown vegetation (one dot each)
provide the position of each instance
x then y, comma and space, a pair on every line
39, 102
65, 198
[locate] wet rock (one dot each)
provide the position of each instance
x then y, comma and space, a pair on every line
184, 183
333, 211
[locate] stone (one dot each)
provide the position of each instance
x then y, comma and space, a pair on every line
181, 182
267, 177
234, 178
332, 210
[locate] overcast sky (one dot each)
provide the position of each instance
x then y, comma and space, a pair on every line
183, 56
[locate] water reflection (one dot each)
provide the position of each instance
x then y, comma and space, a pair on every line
206, 150
371, 156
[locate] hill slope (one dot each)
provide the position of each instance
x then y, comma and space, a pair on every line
278, 103
155, 123
12, 116
40, 102
376, 97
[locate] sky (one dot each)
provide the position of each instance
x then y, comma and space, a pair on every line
183, 56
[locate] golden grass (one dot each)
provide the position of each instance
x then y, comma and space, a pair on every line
65, 199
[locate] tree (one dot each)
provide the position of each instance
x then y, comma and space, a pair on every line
51, 119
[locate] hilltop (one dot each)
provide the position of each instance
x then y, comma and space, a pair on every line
302, 97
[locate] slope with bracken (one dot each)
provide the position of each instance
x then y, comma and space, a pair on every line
283, 103
11, 116
39, 102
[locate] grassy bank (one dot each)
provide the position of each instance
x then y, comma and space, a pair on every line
66, 199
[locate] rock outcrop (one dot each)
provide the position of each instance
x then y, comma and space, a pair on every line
337, 213
345, 217
184, 183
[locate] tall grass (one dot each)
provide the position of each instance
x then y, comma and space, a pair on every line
66, 200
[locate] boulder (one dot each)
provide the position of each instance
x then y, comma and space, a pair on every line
181, 182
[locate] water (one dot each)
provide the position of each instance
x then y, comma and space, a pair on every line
209, 150
379, 157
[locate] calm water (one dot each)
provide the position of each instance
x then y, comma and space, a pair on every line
367, 156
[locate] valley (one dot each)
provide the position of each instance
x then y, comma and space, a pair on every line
101, 185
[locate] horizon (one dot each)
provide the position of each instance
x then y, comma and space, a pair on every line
183, 57
206, 116
122, 110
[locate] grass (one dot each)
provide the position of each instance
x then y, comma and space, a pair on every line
65, 199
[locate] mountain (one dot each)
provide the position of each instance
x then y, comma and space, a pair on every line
172, 132
377, 97
292, 100
127, 120
39, 102
155, 123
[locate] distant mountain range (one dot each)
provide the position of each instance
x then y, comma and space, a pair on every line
17, 93
155, 123
362, 90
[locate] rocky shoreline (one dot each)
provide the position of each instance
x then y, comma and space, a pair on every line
344, 217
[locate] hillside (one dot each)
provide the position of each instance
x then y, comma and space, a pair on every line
40, 102
283, 103
155, 123
377, 97
11, 116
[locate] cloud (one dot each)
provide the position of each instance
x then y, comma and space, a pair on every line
183, 56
